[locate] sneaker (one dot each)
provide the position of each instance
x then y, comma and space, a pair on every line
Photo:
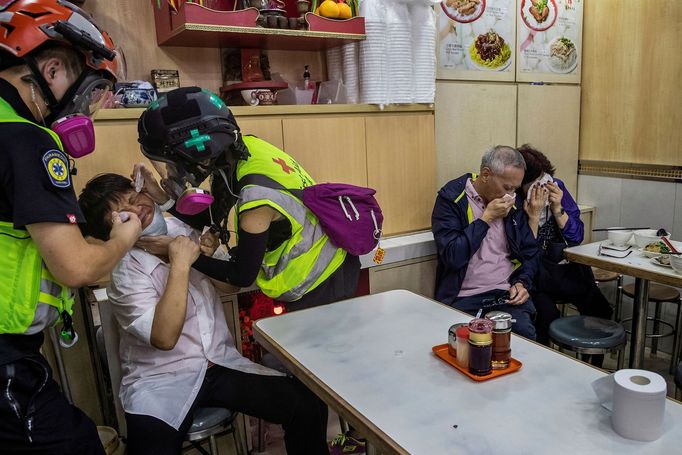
345, 444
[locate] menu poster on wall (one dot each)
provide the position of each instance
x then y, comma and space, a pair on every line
476, 39
549, 40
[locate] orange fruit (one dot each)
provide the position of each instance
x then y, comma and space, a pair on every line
344, 11
330, 9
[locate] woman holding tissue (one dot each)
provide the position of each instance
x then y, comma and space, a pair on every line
554, 218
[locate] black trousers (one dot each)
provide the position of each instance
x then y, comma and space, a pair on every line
36, 418
277, 399
573, 283
340, 285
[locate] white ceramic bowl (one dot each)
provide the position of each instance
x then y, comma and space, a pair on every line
619, 238
676, 262
643, 237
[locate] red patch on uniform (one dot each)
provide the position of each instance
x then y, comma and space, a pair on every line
72, 218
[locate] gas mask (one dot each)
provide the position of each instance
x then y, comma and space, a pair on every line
183, 186
70, 118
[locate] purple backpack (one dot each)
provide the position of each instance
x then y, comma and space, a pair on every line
348, 214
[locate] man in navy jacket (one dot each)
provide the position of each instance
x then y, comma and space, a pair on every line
487, 254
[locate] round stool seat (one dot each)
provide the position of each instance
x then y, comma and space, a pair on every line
587, 334
604, 275
209, 417
657, 292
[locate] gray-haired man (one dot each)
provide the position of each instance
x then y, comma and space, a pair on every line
487, 254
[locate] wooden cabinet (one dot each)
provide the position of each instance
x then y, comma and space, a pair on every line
401, 166
331, 149
416, 275
268, 129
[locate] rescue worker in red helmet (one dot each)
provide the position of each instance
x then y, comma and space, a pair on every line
56, 67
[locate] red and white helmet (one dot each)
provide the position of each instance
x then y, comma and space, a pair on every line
27, 25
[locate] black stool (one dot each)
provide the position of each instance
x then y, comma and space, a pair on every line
587, 335
659, 294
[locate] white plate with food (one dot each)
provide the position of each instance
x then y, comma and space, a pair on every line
663, 261
655, 249
463, 11
539, 15
563, 55
489, 52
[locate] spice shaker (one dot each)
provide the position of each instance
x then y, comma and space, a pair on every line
452, 337
463, 346
501, 338
480, 346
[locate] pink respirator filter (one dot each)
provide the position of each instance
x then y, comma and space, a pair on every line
193, 201
76, 133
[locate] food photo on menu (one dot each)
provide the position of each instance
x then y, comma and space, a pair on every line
539, 15
490, 50
563, 56
463, 10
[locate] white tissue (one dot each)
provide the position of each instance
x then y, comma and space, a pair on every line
636, 399
544, 178
139, 180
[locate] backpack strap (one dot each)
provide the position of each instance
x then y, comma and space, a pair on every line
267, 182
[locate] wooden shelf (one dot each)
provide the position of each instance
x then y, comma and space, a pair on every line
284, 109
196, 26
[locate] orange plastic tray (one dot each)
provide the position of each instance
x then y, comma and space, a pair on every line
442, 351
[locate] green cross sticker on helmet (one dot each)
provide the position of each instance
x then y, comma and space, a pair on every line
197, 140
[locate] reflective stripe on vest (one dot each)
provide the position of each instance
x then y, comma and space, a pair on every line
470, 218
307, 258
26, 285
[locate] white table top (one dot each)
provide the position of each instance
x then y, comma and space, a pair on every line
635, 264
370, 358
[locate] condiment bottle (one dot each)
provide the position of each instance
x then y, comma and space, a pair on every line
463, 346
501, 338
452, 338
480, 346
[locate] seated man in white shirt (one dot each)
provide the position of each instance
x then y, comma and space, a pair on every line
176, 350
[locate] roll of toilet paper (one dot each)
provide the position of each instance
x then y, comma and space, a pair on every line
638, 404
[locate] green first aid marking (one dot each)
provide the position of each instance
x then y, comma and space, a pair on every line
197, 140
214, 99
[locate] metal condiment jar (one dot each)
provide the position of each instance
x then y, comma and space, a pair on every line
501, 320
452, 337
501, 355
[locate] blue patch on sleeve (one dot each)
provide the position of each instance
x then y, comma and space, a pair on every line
57, 168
